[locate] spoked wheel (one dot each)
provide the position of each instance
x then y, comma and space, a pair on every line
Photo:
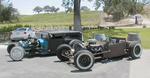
84, 60
136, 51
17, 53
63, 51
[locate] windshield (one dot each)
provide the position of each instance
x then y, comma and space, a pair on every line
21, 29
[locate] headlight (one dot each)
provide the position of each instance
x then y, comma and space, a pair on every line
21, 43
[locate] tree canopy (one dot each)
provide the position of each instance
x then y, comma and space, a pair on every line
8, 13
121, 8
38, 9
46, 9
85, 8
68, 5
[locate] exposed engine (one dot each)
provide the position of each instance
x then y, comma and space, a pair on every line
94, 47
29, 43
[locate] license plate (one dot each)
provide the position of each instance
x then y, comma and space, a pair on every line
17, 33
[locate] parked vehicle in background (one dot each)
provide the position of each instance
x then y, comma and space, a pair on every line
100, 37
22, 34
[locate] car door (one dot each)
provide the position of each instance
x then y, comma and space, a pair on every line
55, 41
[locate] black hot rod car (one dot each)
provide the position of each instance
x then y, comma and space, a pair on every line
46, 43
84, 55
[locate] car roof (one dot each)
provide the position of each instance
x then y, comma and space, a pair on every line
61, 32
23, 28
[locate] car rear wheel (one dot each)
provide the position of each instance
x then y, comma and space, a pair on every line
76, 44
135, 51
74, 41
84, 60
63, 51
17, 53
10, 47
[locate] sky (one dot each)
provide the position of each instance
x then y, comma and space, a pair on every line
25, 7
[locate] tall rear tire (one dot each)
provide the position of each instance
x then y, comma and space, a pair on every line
74, 41
10, 47
17, 53
84, 60
62, 51
135, 51
76, 44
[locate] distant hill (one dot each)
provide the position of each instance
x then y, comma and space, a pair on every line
88, 18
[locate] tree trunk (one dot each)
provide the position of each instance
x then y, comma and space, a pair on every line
77, 16
0, 2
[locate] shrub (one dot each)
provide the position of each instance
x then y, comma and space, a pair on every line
11, 28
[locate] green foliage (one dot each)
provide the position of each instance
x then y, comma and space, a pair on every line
97, 4
8, 13
11, 28
47, 8
54, 9
68, 5
122, 8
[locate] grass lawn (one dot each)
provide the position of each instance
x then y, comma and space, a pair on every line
57, 19
62, 19
144, 33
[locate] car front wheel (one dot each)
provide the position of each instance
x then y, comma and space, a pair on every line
17, 53
84, 60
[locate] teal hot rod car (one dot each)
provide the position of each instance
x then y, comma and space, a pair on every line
46, 43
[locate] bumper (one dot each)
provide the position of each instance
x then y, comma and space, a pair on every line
18, 37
